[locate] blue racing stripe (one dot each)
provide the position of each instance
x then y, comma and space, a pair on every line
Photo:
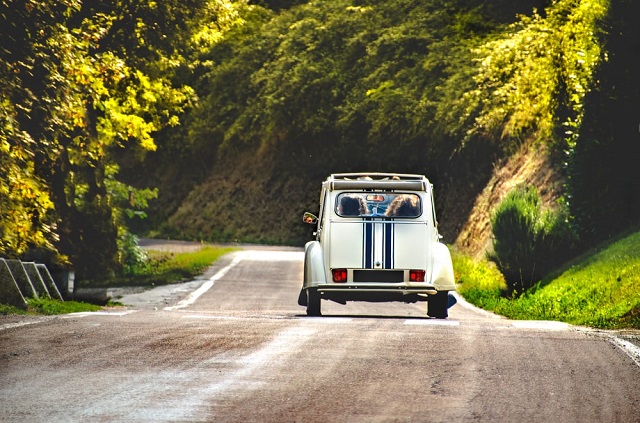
388, 245
368, 246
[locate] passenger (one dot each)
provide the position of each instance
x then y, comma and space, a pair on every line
404, 205
352, 205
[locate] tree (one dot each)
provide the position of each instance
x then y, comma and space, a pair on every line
84, 80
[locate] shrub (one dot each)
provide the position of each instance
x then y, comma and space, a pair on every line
134, 258
528, 242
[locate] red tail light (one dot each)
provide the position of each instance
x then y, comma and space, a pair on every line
416, 275
339, 275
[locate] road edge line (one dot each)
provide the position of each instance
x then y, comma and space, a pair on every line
192, 297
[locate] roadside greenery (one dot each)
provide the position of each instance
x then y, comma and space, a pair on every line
158, 268
155, 268
602, 290
48, 306
529, 241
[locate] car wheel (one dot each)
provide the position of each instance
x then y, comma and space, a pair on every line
438, 305
313, 302
302, 298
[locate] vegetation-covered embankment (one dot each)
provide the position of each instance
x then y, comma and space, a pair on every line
600, 289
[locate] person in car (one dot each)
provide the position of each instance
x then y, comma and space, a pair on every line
404, 205
352, 205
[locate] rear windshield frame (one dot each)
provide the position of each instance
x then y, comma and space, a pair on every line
378, 204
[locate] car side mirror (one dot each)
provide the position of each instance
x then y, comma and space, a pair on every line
309, 218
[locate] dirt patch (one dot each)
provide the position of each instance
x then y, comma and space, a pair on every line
532, 166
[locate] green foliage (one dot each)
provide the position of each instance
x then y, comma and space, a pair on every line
26, 217
329, 86
479, 281
79, 82
600, 291
134, 258
6, 310
52, 307
48, 306
528, 241
603, 187
533, 77
193, 263
334, 70
153, 268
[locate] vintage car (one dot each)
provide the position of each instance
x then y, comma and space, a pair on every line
376, 240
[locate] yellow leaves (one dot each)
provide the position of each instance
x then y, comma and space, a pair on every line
25, 202
207, 37
173, 121
539, 58
359, 9
380, 90
225, 15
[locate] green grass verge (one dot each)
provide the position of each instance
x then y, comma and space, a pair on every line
48, 306
164, 268
601, 291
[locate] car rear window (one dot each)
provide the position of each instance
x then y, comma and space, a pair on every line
378, 204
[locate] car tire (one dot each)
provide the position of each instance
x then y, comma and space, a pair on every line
438, 305
313, 302
302, 297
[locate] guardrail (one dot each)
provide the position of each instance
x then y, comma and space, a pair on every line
21, 280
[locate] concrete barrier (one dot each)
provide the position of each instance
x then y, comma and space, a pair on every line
48, 281
9, 291
36, 279
22, 279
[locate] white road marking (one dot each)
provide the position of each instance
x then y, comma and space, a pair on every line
191, 298
464, 303
18, 324
260, 255
253, 255
98, 313
630, 349
68, 316
212, 317
432, 322
540, 324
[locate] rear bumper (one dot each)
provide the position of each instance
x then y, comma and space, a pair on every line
374, 293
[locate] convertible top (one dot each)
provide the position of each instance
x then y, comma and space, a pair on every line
377, 181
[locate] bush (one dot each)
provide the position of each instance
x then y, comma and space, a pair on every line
527, 241
134, 258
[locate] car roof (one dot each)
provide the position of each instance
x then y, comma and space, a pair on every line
377, 180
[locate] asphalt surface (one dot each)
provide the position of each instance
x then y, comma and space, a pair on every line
234, 346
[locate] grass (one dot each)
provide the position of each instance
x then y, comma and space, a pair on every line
160, 269
172, 267
601, 291
48, 306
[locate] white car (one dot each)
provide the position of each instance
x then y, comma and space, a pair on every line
376, 240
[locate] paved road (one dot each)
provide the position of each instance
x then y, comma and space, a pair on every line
235, 347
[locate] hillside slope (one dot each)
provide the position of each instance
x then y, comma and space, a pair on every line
261, 201
529, 166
